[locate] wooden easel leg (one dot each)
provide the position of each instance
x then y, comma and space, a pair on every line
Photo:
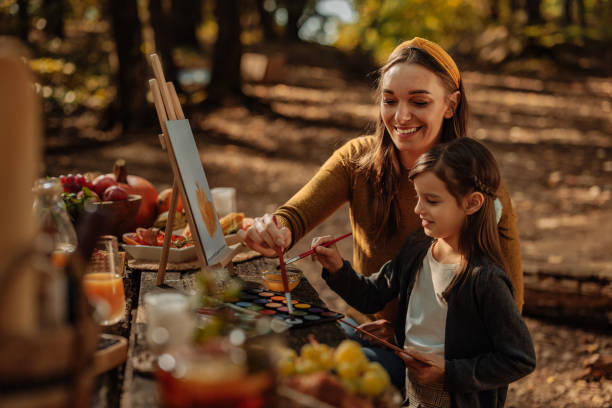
163, 262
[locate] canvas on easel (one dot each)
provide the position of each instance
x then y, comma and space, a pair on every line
195, 185
189, 179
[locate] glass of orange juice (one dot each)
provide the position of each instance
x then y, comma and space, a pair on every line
103, 282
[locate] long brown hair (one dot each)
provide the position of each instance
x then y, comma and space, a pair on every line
465, 166
382, 166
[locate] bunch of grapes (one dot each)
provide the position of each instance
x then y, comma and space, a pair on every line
358, 375
75, 183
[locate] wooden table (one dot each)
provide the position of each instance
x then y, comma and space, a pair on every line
132, 385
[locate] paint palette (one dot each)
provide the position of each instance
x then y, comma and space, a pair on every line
274, 304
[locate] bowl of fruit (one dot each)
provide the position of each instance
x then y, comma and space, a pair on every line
103, 195
336, 377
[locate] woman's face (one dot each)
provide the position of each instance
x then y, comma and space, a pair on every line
414, 103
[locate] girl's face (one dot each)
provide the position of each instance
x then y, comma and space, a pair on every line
441, 215
414, 103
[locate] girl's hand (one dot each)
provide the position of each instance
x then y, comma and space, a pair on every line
264, 236
329, 257
380, 328
426, 368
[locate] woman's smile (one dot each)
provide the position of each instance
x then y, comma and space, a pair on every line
406, 132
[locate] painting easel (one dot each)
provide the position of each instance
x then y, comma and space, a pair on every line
168, 109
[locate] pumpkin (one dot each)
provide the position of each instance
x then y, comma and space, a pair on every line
147, 212
163, 201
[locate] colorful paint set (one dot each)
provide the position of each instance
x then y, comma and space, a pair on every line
274, 304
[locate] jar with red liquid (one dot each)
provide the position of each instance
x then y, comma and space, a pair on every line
218, 374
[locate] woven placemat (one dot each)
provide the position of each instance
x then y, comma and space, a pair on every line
154, 266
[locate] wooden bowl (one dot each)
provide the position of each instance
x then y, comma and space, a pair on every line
119, 215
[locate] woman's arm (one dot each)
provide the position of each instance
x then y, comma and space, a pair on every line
513, 355
318, 199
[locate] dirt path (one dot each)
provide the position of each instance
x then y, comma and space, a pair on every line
553, 140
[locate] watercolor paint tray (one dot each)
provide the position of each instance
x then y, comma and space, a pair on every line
274, 304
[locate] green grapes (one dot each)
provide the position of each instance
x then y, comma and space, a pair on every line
374, 380
357, 374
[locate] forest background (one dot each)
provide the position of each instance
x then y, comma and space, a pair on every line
272, 87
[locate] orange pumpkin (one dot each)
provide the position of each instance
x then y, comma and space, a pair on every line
147, 212
163, 201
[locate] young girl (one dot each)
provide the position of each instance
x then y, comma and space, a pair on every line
455, 302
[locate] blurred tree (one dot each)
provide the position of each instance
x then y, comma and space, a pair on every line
186, 17
226, 81
515, 5
494, 10
163, 39
534, 12
23, 20
295, 10
54, 12
381, 26
266, 21
131, 77
568, 12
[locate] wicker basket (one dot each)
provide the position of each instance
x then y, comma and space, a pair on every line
52, 368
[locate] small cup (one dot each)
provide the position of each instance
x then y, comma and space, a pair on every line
170, 320
273, 280
103, 282
224, 199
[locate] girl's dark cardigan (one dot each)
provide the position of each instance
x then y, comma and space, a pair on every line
487, 344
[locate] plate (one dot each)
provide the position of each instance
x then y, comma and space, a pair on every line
153, 253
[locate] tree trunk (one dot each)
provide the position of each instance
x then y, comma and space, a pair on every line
581, 13
163, 40
24, 20
226, 80
515, 6
295, 9
186, 16
568, 13
132, 74
54, 11
266, 21
534, 14
494, 10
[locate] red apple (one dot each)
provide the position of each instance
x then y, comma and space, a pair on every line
115, 193
101, 183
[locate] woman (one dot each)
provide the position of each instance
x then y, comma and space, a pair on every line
422, 103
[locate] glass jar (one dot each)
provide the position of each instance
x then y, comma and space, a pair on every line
53, 218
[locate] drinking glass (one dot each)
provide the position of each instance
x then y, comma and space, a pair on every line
224, 199
103, 282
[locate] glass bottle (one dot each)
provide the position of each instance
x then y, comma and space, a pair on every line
54, 244
53, 218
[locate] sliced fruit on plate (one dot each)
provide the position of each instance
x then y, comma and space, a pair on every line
154, 237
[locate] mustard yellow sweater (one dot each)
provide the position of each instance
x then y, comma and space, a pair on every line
338, 181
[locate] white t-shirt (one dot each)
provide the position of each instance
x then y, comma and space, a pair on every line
426, 315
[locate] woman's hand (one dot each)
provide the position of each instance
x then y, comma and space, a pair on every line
380, 328
264, 236
329, 257
427, 368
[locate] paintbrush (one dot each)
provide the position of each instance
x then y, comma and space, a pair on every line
311, 251
386, 343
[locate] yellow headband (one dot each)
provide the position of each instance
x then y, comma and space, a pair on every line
437, 52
